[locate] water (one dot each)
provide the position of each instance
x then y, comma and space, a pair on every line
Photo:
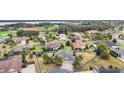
7, 22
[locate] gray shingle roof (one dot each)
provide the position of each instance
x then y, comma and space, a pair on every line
110, 44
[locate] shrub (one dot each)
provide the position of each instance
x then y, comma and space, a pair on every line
90, 68
110, 66
5, 54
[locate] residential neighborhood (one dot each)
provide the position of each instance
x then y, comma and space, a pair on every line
62, 47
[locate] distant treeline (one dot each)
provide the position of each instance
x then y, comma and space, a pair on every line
81, 27
27, 33
62, 26
17, 25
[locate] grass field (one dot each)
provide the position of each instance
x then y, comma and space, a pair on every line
106, 63
5, 33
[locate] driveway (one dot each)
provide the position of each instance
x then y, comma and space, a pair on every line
67, 65
29, 69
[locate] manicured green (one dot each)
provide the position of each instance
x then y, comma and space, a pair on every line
5, 33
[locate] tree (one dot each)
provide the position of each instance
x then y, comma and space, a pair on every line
47, 59
120, 28
62, 46
27, 33
68, 43
10, 36
110, 36
104, 51
10, 42
76, 63
58, 60
80, 57
24, 61
27, 41
114, 41
73, 40
86, 46
71, 36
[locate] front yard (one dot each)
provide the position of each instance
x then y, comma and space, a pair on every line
44, 67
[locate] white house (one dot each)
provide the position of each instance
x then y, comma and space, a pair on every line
2, 40
119, 53
20, 40
62, 36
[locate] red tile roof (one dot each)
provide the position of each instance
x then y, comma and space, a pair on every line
78, 44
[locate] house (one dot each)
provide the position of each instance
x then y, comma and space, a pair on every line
111, 44
52, 45
77, 35
11, 64
91, 36
119, 53
62, 36
106, 70
108, 31
2, 40
21, 40
20, 48
78, 45
92, 31
1, 49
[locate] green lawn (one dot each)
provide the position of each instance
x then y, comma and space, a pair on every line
38, 48
68, 48
121, 46
5, 33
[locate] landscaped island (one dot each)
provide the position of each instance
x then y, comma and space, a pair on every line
62, 47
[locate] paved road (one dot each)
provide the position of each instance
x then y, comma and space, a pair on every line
29, 69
